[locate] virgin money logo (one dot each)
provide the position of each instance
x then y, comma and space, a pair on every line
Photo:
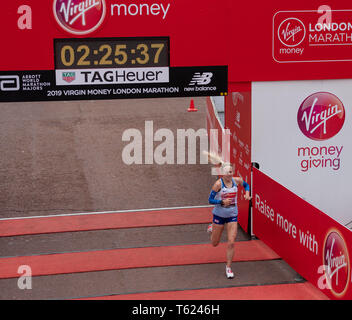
291, 32
321, 116
336, 262
79, 17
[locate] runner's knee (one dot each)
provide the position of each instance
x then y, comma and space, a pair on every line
215, 243
231, 244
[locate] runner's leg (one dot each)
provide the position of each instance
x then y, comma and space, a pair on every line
231, 236
216, 234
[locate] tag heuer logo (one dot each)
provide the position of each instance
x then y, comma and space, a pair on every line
68, 76
201, 79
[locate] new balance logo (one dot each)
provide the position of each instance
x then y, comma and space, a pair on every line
9, 83
201, 79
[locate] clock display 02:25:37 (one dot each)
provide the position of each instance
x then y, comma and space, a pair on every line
111, 53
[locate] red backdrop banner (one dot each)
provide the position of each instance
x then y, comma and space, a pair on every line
266, 41
197, 29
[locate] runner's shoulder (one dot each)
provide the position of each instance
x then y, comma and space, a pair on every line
217, 185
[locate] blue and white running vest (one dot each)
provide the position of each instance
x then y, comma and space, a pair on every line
224, 193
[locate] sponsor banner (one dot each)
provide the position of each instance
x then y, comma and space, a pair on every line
253, 51
100, 83
255, 46
24, 22
112, 76
304, 36
312, 243
238, 120
301, 132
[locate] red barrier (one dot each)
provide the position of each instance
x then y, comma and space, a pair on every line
314, 244
238, 117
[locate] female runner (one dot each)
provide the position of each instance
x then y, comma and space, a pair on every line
224, 196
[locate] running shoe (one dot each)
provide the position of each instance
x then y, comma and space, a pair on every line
210, 228
229, 273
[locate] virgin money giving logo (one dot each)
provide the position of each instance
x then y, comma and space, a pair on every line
336, 263
291, 32
321, 116
79, 17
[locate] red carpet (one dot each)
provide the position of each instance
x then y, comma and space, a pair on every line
293, 291
101, 260
133, 258
104, 221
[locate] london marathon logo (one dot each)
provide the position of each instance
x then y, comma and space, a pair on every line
336, 263
79, 17
321, 116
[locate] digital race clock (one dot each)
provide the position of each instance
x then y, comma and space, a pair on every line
111, 53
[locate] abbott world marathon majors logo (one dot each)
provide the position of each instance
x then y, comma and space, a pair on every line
320, 117
79, 17
336, 263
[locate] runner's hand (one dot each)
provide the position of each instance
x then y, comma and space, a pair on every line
226, 202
